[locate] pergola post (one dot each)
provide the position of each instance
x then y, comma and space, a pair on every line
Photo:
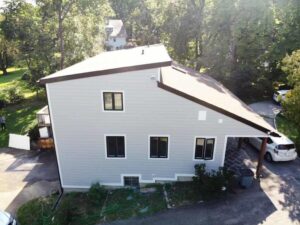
261, 158
240, 142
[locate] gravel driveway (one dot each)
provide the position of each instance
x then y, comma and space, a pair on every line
25, 175
267, 109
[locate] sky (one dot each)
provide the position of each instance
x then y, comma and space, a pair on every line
2, 2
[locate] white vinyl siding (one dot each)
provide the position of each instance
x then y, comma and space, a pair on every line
80, 124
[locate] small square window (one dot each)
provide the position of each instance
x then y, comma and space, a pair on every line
159, 147
113, 101
115, 146
204, 148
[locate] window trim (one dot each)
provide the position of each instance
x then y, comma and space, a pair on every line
105, 146
149, 146
112, 91
214, 150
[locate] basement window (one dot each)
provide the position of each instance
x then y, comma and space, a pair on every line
131, 181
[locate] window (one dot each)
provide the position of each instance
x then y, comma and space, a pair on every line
159, 147
113, 101
115, 146
131, 181
204, 148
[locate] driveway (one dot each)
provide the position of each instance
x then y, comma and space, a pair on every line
25, 175
267, 109
275, 200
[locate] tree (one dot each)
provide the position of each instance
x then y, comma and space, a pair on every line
7, 54
291, 66
66, 14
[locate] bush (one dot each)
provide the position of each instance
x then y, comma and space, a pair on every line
3, 103
25, 76
14, 96
96, 194
34, 133
212, 184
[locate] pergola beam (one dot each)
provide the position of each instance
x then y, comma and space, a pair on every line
261, 155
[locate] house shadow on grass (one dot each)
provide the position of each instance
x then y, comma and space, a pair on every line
37, 170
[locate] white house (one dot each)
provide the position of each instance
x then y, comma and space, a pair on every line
133, 116
115, 35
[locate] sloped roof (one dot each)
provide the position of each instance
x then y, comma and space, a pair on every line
206, 91
144, 57
118, 28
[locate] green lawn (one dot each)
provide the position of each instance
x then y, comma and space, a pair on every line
20, 117
77, 208
13, 80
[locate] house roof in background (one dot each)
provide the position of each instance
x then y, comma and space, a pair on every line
118, 28
144, 57
206, 91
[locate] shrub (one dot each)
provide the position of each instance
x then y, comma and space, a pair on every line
34, 133
14, 96
212, 184
96, 194
26, 76
3, 103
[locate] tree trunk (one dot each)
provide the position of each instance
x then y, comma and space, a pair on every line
4, 71
61, 39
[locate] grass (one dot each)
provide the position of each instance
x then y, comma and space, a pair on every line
182, 193
289, 128
126, 203
77, 208
13, 80
20, 117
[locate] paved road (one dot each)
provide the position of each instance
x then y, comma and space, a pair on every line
25, 175
267, 109
273, 201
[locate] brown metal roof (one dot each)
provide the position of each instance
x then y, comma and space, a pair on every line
144, 57
206, 91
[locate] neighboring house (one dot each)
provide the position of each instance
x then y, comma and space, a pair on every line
131, 116
115, 35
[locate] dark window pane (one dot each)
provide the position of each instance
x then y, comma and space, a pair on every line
199, 148
115, 146
163, 147
111, 146
153, 147
131, 181
209, 148
108, 101
118, 101
121, 146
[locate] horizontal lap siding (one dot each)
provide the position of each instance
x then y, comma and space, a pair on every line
80, 125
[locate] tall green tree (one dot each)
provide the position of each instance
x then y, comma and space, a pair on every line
291, 67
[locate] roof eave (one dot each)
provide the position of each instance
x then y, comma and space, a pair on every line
216, 108
105, 72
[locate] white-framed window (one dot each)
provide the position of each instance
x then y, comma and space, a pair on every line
204, 148
115, 146
113, 101
159, 146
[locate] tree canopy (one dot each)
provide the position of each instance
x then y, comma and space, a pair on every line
239, 42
